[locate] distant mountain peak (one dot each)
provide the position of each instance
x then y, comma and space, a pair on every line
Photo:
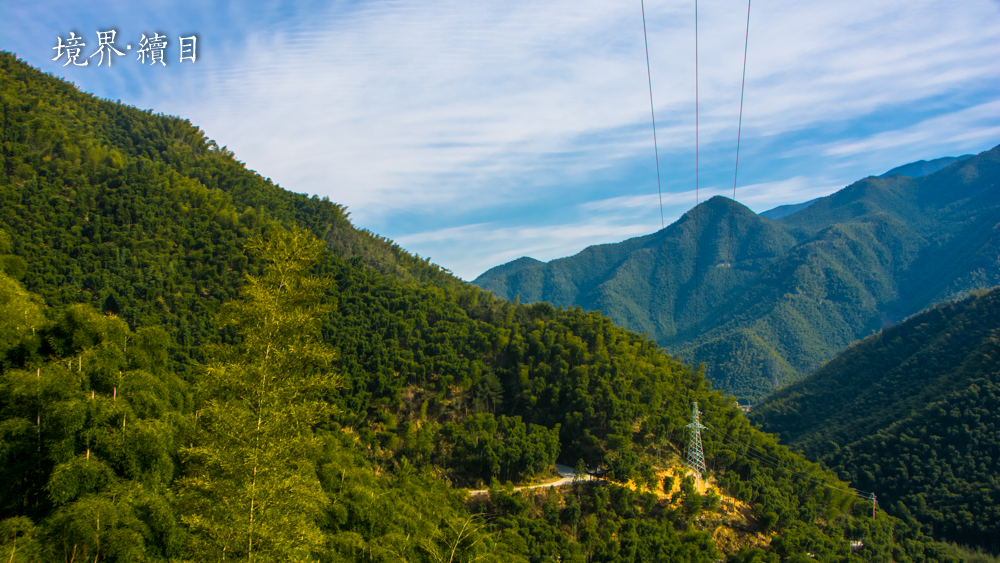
522, 262
764, 302
925, 167
913, 170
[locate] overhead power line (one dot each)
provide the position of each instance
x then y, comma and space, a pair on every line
656, 153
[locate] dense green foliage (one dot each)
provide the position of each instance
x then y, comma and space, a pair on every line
969, 555
795, 290
152, 322
90, 441
913, 413
250, 473
139, 214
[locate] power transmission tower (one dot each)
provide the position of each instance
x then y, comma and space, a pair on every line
695, 455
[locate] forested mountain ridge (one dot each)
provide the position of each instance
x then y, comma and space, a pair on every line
912, 412
912, 169
799, 288
604, 277
186, 373
180, 172
783, 210
924, 167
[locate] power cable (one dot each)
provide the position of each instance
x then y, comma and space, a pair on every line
732, 212
656, 152
697, 169
775, 463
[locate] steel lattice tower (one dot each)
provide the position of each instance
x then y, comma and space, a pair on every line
695, 457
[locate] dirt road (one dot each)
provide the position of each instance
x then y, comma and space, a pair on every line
567, 476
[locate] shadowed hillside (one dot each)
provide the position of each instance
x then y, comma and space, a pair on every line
912, 413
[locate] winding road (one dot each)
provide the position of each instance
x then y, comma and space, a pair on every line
567, 476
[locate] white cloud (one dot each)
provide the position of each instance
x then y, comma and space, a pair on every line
759, 197
475, 248
411, 106
423, 116
767, 195
496, 244
961, 129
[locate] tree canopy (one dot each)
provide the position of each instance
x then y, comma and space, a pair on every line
911, 412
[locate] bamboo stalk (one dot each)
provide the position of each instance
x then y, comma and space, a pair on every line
38, 402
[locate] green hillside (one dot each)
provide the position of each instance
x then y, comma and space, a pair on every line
912, 413
196, 364
798, 289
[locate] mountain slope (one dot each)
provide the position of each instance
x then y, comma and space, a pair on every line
924, 167
801, 287
162, 286
913, 169
607, 277
783, 210
911, 412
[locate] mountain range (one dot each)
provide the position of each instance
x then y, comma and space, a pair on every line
913, 169
763, 301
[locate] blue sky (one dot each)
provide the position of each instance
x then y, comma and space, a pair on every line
478, 132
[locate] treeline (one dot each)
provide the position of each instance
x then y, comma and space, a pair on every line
937, 467
145, 446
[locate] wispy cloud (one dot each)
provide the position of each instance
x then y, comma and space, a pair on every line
497, 244
411, 106
968, 127
444, 124
759, 197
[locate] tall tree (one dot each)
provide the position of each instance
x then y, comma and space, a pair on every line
20, 314
251, 490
